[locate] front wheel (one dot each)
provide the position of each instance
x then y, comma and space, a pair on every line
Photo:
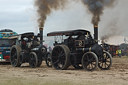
90, 61
33, 60
105, 62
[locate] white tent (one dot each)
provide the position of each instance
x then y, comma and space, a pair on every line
116, 40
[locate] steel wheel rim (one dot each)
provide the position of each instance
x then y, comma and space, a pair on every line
32, 60
89, 62
105, 62
14, 56
58, 58
48, 60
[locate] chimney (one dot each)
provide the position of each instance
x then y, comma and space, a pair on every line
96, 33
41, 36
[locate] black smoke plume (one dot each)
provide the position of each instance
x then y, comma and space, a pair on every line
96, 7
45, 7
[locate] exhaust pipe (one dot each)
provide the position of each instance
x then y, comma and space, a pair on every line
41, 36
96, 33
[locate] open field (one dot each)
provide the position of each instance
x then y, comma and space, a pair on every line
117, 75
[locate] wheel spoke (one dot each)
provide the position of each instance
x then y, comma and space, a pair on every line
91, 59
106, 64
60, 56
91, 65
56, 62
87, 57
107, 57
94, 63
105, 61
63, 54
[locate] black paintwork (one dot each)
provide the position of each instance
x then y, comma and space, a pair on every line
68, 33
28, 43
82, 43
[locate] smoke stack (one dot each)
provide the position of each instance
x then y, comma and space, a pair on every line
96, 33
41, 35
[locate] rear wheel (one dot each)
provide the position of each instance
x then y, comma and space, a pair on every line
106, 61
33, 60
48, 60
61, 57
15, 56
89, 61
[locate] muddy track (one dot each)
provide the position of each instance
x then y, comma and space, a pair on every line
117, 75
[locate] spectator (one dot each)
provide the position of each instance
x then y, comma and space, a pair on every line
116, 52
119, 53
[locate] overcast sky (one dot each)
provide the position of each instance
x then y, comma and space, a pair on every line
16, 15
20, 15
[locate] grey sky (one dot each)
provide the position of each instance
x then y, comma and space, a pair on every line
20, 15
16, 15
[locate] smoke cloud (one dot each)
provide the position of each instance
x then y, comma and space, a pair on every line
114, 21
45, 7
110, 30
96, 7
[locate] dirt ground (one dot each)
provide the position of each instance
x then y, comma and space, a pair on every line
117, 75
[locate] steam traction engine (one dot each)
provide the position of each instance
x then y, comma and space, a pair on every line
80, 50
29, 48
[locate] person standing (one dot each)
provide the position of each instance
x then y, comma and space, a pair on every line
119, 53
